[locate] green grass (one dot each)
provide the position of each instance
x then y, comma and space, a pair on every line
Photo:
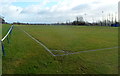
0, 50
5, 28
0, 31
25, 56
74, 38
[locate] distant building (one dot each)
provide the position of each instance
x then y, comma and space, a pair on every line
119, 11
2, 20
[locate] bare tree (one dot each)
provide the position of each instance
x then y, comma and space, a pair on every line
79, 21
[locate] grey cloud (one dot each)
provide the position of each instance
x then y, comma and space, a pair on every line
81, 7
23, 11
43, 12
96, 2
28, 12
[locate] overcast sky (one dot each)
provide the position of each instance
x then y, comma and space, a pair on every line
49, 11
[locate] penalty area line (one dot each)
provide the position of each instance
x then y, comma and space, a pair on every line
38, 42
87, 51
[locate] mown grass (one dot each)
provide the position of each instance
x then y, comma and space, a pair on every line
0, 31
25, 56
70, 38
5, 28
0, 50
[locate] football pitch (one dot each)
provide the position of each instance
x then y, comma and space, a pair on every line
45, 49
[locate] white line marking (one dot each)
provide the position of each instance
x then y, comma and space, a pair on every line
38, 42
86, 51
58, 50
7, 33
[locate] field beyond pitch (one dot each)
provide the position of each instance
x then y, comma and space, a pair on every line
24, 55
